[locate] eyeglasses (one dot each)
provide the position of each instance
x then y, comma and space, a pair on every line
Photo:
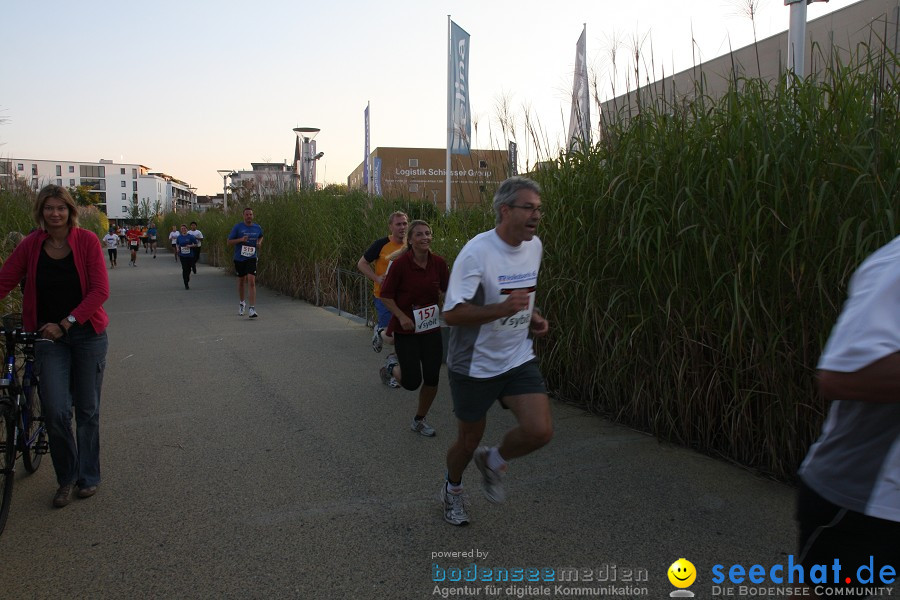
539, 210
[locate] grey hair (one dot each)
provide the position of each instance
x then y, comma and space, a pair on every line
509, 189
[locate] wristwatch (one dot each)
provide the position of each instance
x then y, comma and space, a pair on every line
71, 320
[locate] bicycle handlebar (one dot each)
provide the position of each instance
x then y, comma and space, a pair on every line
19, 336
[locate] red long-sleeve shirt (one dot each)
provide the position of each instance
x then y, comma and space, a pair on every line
89, 263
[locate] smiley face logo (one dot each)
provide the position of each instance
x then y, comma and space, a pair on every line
682, 573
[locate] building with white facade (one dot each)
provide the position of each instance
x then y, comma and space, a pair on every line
123, 188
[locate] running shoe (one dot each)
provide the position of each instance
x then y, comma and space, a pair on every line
241, 309
377, 342
393, 383
454, 507
422, 428
386, 379
252, 313
492, 482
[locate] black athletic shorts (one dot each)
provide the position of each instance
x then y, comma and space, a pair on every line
829, 532
419, 356
242, 268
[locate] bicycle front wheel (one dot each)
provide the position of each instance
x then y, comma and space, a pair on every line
34, 442
7, 460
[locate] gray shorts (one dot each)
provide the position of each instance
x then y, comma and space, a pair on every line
472, 396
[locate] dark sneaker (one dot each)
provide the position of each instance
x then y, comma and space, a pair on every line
63, 495
385, 378
492, 481
454, 507
87, 491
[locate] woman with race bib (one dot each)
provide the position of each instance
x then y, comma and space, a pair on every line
411, 290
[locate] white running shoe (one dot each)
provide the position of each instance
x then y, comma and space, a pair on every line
252, 313
492, 482
377, 342
422, 428
241, 309
454, 507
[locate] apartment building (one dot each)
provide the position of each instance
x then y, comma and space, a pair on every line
123, 188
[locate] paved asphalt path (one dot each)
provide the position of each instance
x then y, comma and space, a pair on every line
264, 459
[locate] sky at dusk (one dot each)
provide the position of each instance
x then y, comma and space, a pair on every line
188, 87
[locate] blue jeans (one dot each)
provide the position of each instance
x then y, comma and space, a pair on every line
384, 315
71, 375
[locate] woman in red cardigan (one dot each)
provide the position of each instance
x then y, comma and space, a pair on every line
65, 287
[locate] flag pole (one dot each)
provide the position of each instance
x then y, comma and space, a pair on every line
449, 110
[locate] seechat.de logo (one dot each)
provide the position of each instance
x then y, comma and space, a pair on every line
682, 574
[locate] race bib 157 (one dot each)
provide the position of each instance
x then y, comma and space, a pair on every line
427, 318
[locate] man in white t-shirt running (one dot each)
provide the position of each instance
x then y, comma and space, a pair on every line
848, 504
198, 237
489, 305
112, 243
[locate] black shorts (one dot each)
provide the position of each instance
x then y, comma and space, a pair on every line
112, 252
242, 268
134, 246
472, 396
829, 532
419, 356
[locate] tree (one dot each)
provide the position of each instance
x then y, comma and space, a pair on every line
84, 195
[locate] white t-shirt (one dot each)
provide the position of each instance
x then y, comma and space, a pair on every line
485, 272
173, 235
111, 241
855, 463
197, 235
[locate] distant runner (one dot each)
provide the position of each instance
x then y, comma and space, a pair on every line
246, 237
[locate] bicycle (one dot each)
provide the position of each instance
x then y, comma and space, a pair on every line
22, 429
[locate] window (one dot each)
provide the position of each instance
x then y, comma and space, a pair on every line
482, 164
72, 183
58, 170
124, 196
34, 169
71, 168
414, 162
123, 183
124, 209
92, 171
59, 182
122, 171
20, 167
133, 185
134, 173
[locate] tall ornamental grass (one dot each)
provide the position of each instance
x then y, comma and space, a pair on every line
695, 258
698, 256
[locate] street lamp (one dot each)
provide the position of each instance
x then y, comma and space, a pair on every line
307, 155
225, 173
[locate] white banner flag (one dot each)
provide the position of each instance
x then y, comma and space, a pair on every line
458, 123
580, 119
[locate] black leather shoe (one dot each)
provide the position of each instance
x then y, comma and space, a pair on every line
63, 495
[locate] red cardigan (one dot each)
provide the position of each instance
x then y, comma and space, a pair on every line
89, 263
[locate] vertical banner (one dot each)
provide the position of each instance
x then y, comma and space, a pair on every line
376, 175
366, 158
513, 159
580, 119
458, 122
312, 164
